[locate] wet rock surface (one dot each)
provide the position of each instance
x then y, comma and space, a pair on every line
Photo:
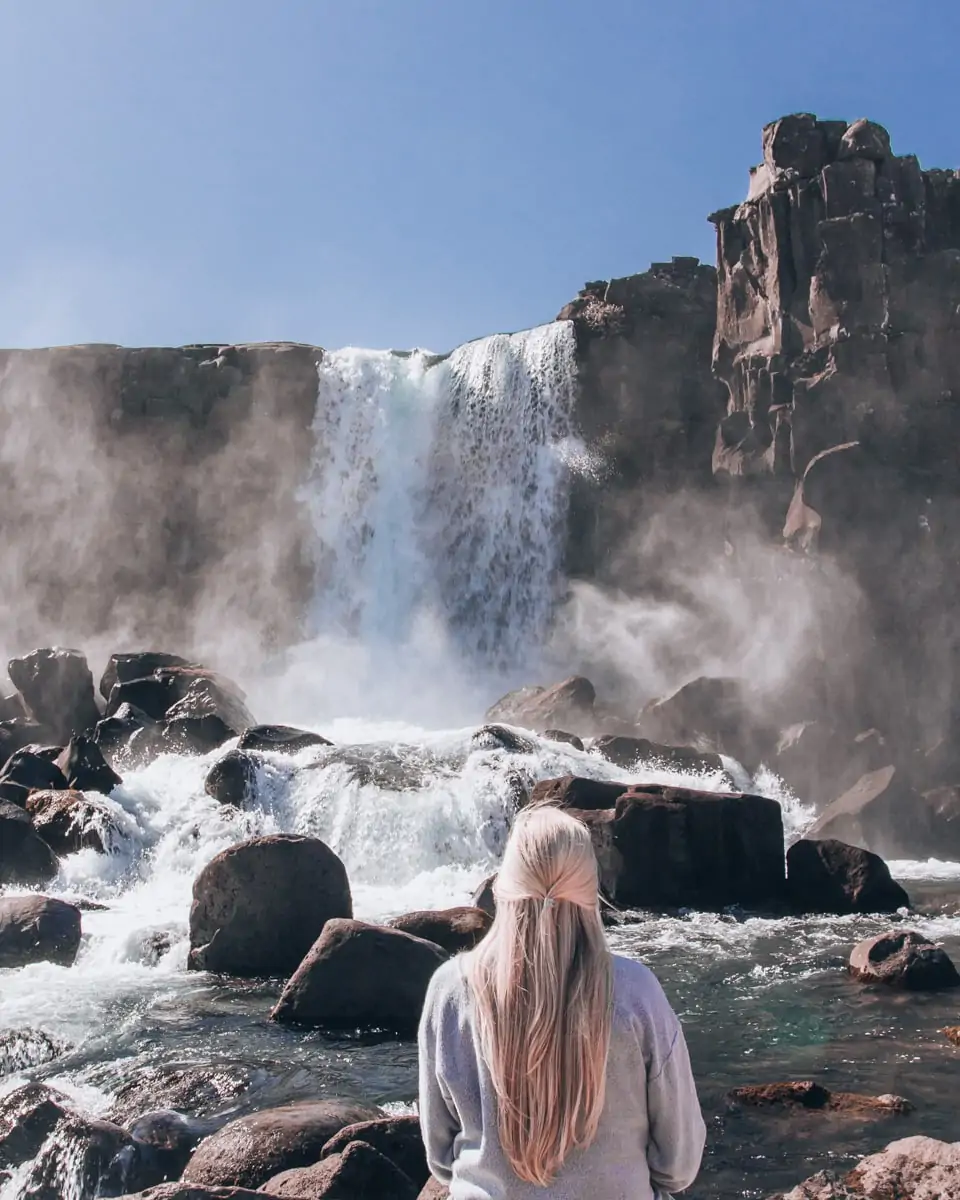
452, 929
70, 821
813, 1097
915, 1168
829, 876
38, 929
903, 959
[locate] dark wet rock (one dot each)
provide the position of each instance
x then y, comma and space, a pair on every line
483, 897
281, 739
84, 767
164, 1141
396, 1138
18, 733
150, 945
12, 708
233, 780
574, 791
14, 793
129, 738
629, 752
38, 929
339, 984
453, 929
903, 959
22, 1049
32, 771
668, 847
358, 1170
815, 1098
259, 906
713, 714
25, 858
57, 689
88, 1156
190, 1191
70, 821
249, 1151
570, 702
827, 876
884, 812
913, 1168
153, 695
28, 1116
500, 737
125, 668
200, 709
198, 1090
392, 768
560, 735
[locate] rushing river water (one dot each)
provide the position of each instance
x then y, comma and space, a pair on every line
761, 999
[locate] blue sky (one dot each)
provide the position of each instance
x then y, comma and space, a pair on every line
406, 172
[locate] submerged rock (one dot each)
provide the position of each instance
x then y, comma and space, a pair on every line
38, 929
21, 1049
25, 858
259, 906
629, 752
570, 702
453, 929
827, 876
813, 1097
192, 1191
904, 959
164, 1143
914, 1168
281, 739
500, 737
70, 821
560, 735
358, 1170
197, 1090
340, 983
253, 1149
396, 1138
233, 780
84, 767
57, 689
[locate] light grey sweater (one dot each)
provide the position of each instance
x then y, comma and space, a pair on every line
651, 1135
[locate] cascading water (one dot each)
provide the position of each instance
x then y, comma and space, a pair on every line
439, 492
438, 496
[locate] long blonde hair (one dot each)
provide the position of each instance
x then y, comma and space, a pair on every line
542, 984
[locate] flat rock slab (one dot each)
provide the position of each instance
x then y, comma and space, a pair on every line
904, 959
812, 1097
914, 1168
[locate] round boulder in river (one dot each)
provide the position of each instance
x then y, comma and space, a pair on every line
827, 876
259, 906
904, 959
453, 929
252, 1149
38, 929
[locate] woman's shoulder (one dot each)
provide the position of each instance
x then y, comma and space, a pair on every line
636, 988
448, 984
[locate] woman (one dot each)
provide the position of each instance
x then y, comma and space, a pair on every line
548, 1066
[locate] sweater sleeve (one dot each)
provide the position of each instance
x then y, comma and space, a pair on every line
677, 1131
439, 1125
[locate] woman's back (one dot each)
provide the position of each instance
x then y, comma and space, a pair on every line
650, 1135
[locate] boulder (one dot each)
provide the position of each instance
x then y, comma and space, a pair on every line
253, 1149
358, 1170
818, 761
340, 983
198, 1090
630, 752
560, 735
164, 1142
714, 714
281, 739
125, 668
84, 767
57, 689
25, 858
501, 737
17, 733
207, 715
665, 847
567, 703
952, 1034
70, 821
914, 1168
396, 1138
32, 771
86, 1157
865, 139
28, 1115
903, 959
827, 876
884, 812
129, 737
259, 906
233, 780
795, 143
22, 1049
38, 929
813, 1097
190, 1191
452, 929
573, 791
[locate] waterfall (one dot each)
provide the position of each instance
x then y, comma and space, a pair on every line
439, 491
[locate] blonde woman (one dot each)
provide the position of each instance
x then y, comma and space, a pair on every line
550, 1067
